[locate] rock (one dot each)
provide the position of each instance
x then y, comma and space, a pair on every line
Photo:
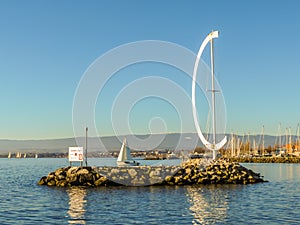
169, 179
115, 171
154, 174
71, 178
72, 170
100, 181
132, 172
83, 171
61, 183
60, 177
178, 180
195, 177
188, 171
51, 183
43, 181
217, 172
59, 171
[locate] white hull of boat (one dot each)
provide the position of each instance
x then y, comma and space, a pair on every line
128, 163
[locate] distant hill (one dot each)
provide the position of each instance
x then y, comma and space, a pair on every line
185, 141
135, 142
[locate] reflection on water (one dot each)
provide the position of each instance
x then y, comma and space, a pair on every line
276, 171
22, 201
209, 204
77, 205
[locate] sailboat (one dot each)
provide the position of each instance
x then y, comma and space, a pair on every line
9, 155
36, 155
124, 158
19, 155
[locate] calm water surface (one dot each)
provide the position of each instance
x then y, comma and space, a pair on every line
22, 201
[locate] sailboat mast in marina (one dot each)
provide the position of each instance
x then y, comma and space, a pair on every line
297, 138
263, 141
232, 145
19, 155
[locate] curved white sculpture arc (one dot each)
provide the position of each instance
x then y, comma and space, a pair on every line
210, 146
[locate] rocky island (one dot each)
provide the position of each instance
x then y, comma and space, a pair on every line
193, 171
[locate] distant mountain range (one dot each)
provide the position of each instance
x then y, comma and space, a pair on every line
185, 141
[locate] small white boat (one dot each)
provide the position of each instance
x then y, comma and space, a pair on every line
9, 155
124, 158
36, 155
172, 156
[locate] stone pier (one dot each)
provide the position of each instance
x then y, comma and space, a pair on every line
193, 171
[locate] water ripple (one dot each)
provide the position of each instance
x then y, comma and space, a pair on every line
22, 201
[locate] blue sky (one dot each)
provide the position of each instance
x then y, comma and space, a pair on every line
46, 46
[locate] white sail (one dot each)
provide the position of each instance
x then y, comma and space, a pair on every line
19, 155
124, 158
9, 155
124, 154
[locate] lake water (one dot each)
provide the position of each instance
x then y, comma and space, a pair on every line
22, 201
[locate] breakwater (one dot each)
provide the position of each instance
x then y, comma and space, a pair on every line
264, 159
138, 175
194, 171
216, 172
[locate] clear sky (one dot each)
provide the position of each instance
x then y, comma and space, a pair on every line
46, 46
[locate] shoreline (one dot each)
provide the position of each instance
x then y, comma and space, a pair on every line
264, 159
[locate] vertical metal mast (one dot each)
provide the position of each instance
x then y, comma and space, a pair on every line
249, 143
232, 145
279, 136
263, 140
290, 139
286, 139
86, 132
213, 97
297, 138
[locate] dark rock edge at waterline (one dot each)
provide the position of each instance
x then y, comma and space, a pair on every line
190, 172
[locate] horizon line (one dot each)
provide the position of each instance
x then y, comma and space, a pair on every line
147, 134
